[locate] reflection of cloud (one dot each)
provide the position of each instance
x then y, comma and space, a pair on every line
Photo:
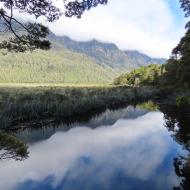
135, 147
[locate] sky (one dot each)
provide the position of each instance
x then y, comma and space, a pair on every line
153, 27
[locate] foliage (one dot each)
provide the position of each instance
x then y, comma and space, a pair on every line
178, 67
185, 5
183, 100
149, 75
26, 35
76, 8
150, 106
32, 35
31, 39
176, 72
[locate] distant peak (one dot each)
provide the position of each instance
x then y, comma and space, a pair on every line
107, 53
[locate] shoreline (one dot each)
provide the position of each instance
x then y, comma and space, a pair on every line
24, 106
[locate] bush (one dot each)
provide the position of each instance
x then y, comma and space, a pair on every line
183, 100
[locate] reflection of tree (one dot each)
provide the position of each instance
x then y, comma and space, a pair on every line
182, 169
12, 148
150, 106
177, 120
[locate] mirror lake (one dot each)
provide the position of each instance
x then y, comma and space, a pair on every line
136, 147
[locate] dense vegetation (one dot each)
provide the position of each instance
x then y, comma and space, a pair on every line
52, 67
172, 79
175, 73
178, 67
25, 105
150, 75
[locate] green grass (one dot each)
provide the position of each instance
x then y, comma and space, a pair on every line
62, 104
53, 67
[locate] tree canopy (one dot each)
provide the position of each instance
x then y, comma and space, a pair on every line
178, 67
149, 75
32, 35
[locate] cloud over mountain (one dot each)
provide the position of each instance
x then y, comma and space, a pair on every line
149, 26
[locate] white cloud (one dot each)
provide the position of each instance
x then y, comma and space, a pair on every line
148, 26
114, 147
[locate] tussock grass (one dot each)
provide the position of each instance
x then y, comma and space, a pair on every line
24, 104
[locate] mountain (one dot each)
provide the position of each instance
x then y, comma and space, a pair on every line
142, 59
69, 61
105, 53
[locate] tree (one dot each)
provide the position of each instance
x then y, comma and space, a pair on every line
180, 59
185, 5
32, 35
178, 66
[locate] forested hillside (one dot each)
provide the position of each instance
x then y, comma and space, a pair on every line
52, 67
149, 75
70, 61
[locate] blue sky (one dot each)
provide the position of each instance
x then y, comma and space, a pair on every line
178, 14
153, 27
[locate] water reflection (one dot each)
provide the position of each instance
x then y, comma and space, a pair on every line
124, 149
177, 120
129, 154
109, 117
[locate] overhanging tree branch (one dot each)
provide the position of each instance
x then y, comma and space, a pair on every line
32, 35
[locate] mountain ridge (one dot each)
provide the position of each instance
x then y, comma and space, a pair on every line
106, 53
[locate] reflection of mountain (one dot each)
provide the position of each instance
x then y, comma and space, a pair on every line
110, 117
107, 118
34, 135
130, 149
131, 154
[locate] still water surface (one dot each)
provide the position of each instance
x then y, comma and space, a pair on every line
127, 149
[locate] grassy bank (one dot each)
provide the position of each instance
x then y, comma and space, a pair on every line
20, 105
